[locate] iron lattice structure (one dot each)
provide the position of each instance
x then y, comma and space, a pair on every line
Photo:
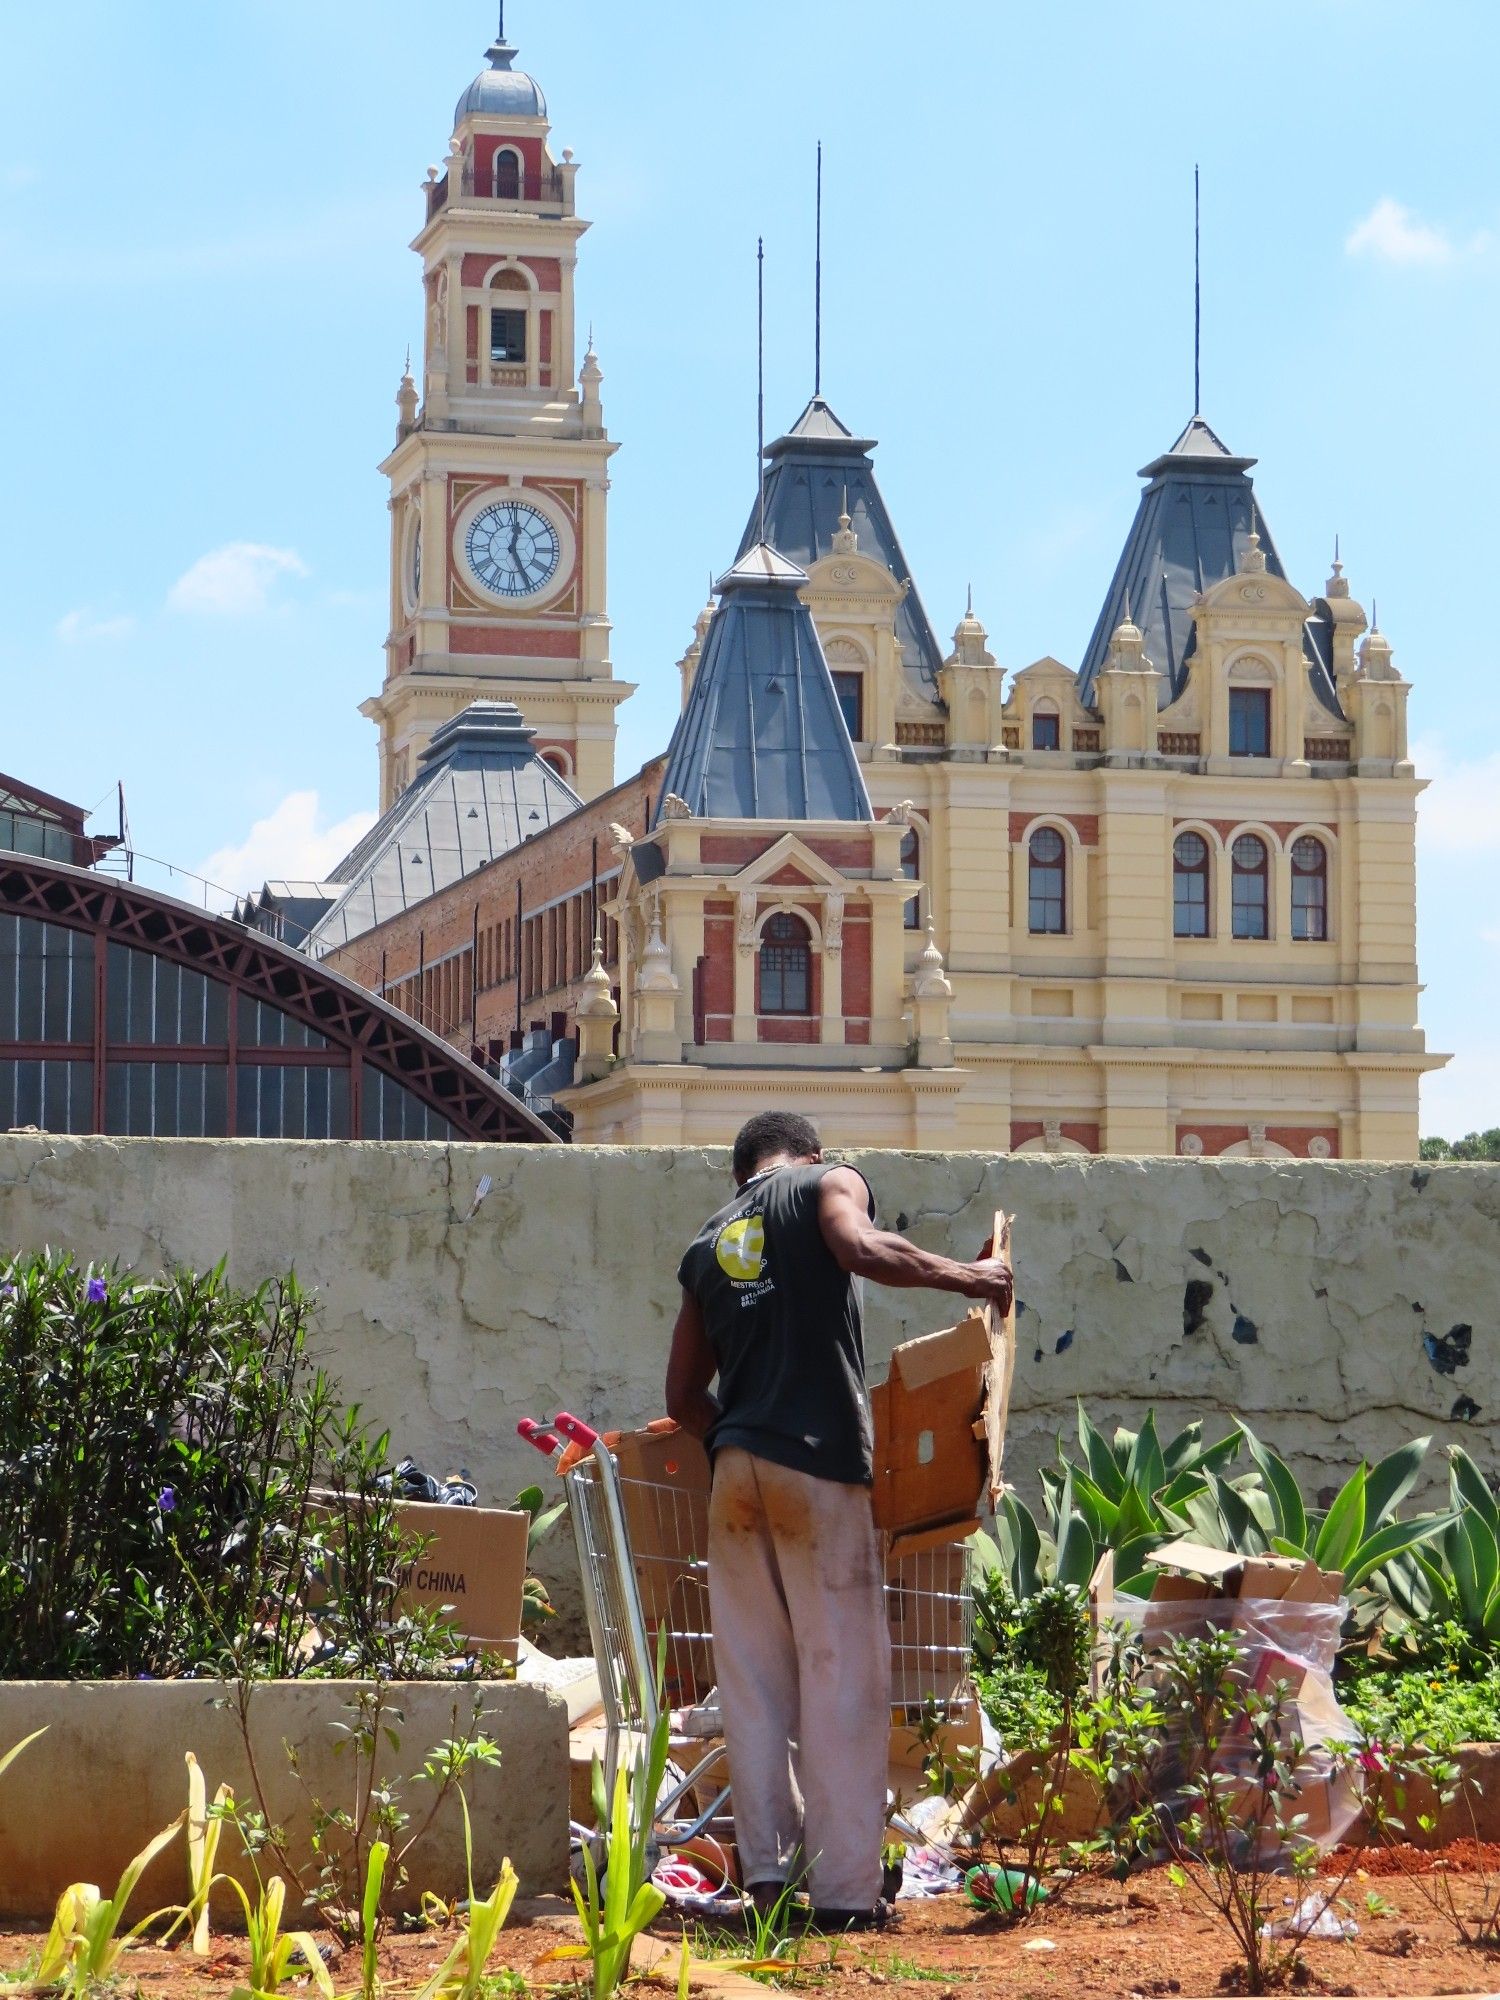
277, 1012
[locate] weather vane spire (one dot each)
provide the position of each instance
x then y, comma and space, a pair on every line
760, 388
818, 281
1197, 303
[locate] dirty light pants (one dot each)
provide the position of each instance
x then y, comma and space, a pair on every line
802, 1655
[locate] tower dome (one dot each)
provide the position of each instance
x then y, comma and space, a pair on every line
501, 91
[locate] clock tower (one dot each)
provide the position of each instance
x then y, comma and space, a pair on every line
499, 475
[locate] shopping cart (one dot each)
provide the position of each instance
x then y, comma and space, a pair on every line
643, 1558
645, 1596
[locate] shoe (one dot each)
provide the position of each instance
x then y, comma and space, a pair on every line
883, 1917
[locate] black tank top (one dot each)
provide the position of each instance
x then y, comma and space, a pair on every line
784, 1324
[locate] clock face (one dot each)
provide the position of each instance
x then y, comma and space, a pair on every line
512, 548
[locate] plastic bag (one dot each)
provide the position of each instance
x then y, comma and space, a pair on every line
1295, 1644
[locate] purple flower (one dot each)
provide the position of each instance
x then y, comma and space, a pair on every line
96, 1291
7, 1291
166, 1500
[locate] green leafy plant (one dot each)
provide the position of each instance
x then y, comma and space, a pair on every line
204, 1826
1414, 1786
179, 1484
85, 1941
1228, 1782
335, 1880
462, 1973
274, 1952
536, 1605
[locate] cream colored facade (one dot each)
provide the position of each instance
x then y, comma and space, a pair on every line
1113, 1034
939, 1012
502, 416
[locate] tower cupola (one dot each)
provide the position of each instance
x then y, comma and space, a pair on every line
502, 90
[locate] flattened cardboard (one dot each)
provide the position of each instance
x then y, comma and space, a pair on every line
476, 1562
1196, 1558
939, 1421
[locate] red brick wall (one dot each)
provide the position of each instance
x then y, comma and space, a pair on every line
1218, 1138
529, 641
1085, 825
552, 865
1024, 1129
857, 975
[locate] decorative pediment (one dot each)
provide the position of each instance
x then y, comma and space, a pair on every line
1254, 591
846, 574
789, 862
1044, 669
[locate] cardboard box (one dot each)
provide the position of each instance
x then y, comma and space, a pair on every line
940, 1420
475, 1562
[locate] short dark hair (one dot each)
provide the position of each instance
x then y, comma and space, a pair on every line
771, 1132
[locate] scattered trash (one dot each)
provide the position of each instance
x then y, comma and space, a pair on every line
1313, 1917
994, 1888
928, 1871
485, 1184
410, 1482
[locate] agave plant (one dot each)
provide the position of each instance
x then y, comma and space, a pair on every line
1455, 1576
1129, 1494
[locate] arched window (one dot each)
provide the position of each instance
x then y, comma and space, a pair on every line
849, 691
1048, 881
507, 175
1309, 888
911, 868
1046, 727
784, 974
1190, 886
1250, 875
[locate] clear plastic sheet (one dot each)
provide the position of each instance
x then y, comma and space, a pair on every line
1291, 1643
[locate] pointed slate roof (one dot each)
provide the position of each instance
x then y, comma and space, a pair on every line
762, 735
1189, 533
480, 790
808, 473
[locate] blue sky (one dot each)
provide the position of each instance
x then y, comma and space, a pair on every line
206, 296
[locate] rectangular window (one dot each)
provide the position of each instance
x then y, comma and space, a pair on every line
507, 334
850, 689
1046, 732
1190, 905
1250, 912
1249, 722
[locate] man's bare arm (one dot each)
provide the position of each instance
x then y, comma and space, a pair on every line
857, 1246
690, 1368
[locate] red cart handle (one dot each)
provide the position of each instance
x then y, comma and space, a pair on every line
576, 1430
547, 1442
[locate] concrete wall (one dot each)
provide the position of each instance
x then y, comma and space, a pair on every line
111, 1774
1340, 1307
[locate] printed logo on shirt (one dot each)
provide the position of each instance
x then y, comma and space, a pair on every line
741, 1249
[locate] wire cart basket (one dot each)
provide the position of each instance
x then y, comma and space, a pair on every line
643, 1557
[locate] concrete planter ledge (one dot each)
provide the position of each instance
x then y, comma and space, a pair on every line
110, 1773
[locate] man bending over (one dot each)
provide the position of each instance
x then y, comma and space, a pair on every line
796, 1573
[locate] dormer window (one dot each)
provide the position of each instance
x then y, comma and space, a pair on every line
1249, 722
507, 334
507, 175
850, 690
1046, 730
785, 969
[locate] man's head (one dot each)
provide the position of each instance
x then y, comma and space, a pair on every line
774, 1135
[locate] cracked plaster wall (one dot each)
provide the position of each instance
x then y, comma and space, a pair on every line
1341, 1307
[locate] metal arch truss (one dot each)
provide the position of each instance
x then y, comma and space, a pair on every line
365, 1028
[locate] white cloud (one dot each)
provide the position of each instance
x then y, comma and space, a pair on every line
291, 843
234, 581
82, 628
1459, 813
1394, 234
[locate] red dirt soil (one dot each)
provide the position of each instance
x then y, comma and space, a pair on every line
1143, 1937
